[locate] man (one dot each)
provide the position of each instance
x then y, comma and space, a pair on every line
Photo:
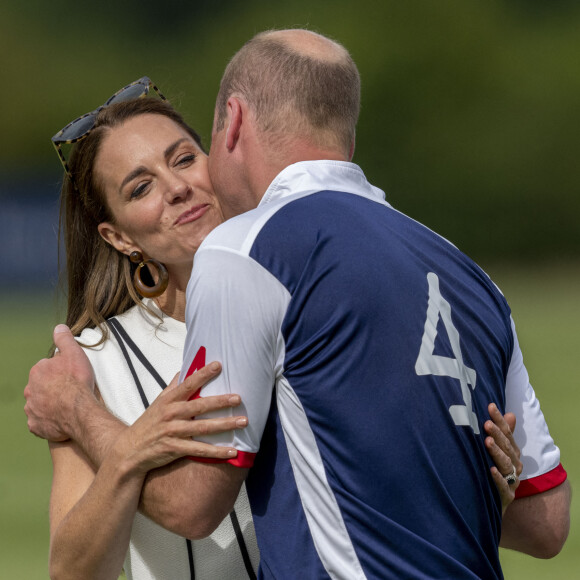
364, 346
360, 317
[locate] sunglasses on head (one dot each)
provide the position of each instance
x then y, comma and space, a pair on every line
78, 129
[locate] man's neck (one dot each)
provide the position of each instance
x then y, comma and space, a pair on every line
275, 161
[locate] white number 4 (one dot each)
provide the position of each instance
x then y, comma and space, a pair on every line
432, 364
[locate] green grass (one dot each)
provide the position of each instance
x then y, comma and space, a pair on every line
545, 302
26, 469
546, 309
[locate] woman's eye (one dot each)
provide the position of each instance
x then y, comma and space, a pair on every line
138, 191
186, 159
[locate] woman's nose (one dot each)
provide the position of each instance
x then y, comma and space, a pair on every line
177, 189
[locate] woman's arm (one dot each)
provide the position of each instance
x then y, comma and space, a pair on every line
90, 515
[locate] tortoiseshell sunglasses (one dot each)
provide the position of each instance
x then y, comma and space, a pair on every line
78, 129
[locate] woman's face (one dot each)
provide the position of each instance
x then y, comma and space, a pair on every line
158, 189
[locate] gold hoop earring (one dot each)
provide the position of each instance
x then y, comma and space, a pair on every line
146, 290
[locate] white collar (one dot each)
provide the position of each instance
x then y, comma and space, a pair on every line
322, 175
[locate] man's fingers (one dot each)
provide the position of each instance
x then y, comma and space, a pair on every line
63, 338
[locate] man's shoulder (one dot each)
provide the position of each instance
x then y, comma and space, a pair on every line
238, 233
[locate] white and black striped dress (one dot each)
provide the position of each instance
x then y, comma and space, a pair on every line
131, 367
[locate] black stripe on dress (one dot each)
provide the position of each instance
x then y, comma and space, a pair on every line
122, 338
242, 545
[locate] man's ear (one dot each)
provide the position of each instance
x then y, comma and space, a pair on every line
116, 238
351, 151
235, 119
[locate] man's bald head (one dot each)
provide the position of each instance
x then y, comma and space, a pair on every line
298, 84
307, 43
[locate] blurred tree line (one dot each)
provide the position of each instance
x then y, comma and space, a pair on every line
470, 113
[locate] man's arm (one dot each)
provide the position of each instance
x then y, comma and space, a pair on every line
538, 525
61, 405
210, 491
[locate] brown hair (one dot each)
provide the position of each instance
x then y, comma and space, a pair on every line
292, 90
99, 278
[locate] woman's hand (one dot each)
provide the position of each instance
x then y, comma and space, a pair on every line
167, 430
505, 453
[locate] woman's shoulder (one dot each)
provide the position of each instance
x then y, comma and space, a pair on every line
147, 319
146, 325
89, 338
139, 341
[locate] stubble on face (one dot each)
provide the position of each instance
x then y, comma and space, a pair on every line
221, 174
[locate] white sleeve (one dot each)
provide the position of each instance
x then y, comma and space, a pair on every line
234, 314
539, 454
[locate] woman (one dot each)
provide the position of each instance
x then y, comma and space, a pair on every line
138, 182
105, 221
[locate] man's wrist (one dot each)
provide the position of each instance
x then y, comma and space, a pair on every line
82, 407
94, 428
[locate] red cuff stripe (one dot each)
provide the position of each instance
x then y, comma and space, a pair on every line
198, 361
243, 459
542, 482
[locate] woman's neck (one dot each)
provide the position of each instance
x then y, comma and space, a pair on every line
172, 301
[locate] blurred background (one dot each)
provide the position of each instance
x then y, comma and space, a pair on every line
470, 122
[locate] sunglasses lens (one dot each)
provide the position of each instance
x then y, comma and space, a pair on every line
77, 128
131, 92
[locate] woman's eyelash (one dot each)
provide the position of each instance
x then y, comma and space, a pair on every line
186, 158
139, 190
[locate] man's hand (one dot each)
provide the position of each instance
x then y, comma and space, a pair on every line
57, 386
505, 453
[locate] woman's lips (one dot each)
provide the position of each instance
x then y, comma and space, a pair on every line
192, 214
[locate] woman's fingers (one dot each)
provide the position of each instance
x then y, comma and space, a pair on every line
500, 428
507, 492
203, 405
168, 430
191, 448
502, 460
204, 427
193, 383
504, 452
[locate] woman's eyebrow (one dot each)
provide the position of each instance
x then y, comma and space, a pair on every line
169, 151
139, 170
132, 175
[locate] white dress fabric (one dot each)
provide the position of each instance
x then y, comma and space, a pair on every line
155, 553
